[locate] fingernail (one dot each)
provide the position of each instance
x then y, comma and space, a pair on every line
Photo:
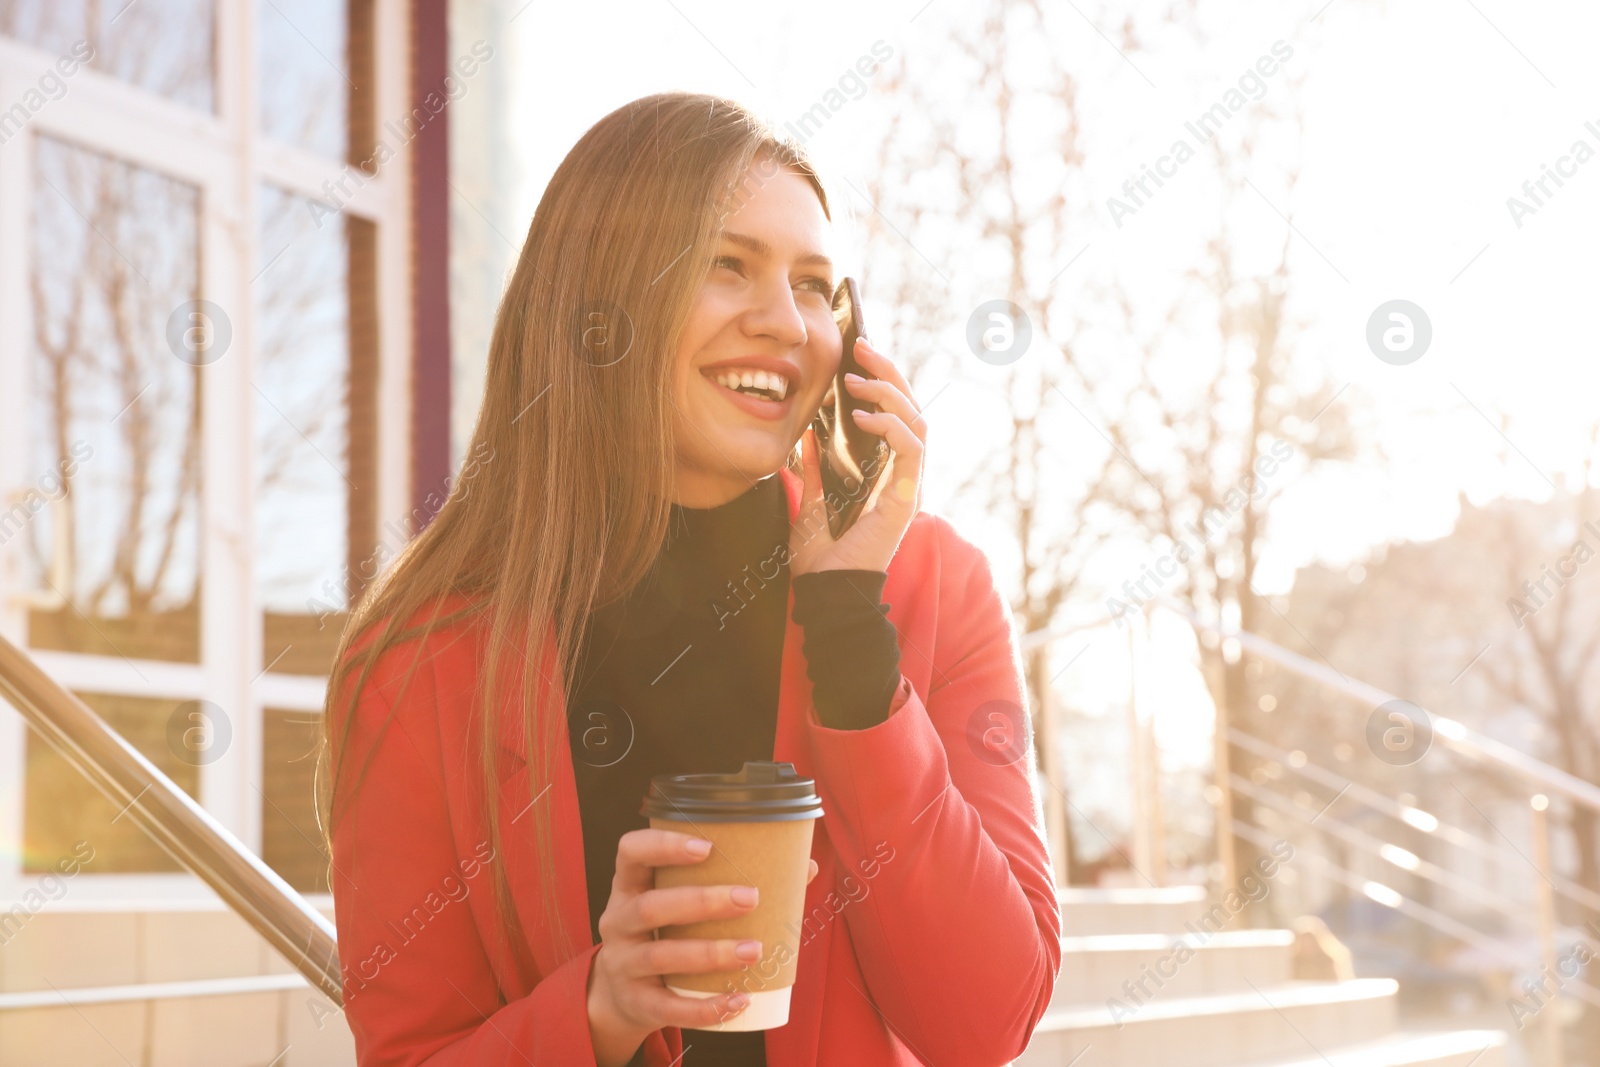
852, 376
860, 413
700, 846
744, 895
748, 950
738, 1002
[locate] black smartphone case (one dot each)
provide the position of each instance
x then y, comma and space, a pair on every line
852, 458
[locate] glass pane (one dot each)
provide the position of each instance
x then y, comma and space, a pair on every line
291, 843
112, 549
166, 47
315, 398
305, 72
60, 807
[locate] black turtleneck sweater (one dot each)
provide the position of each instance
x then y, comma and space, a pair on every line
681, 677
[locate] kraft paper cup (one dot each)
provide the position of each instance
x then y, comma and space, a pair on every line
759, 823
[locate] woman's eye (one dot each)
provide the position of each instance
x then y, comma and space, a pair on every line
811, 284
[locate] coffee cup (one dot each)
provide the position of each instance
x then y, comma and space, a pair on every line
759, 823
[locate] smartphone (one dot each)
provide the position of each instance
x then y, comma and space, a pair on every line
852, 459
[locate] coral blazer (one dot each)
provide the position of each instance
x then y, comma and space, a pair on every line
932, 932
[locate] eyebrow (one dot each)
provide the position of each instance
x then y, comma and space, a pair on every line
761, 248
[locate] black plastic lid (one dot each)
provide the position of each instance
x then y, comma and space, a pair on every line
761, 792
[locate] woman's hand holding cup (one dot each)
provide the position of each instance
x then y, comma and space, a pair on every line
627, 999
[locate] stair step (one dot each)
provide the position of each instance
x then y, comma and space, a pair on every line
1285, 1020
1098, 968
109, 982
56, 997
1453, 1048
116, 943
288, 1028
1090, 911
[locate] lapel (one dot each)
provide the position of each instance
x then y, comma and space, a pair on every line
558, 788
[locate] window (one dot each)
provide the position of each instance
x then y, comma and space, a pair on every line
317, 361
316, 372
113, 558
166, 48
207, 421
60, 809
291, 841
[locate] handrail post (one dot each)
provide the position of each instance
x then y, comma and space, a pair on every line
1055, 812
1138, 766
1554, 1045
1144, 760
1157, 809
1227, 862
1222, 761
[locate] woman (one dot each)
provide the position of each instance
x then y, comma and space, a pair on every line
633, 581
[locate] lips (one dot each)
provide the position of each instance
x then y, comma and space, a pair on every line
746, 379
762, 407
765, 386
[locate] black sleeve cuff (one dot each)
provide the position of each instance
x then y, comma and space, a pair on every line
851, 653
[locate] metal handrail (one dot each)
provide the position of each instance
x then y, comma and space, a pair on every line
1516, 911
1047, 635
174, 820
1433, 873
1415, 817
1509, 955
1456, 735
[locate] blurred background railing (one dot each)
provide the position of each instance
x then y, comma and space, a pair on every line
1479, 915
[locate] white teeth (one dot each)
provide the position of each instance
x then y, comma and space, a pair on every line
777, 384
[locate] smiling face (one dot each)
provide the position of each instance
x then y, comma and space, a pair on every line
761, 346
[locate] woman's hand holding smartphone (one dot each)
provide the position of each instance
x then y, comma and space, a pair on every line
816, 540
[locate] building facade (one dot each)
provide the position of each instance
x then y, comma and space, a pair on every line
225, 375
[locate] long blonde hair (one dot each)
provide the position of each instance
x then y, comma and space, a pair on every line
569, 498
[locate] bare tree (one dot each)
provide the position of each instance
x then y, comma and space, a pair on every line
979, 194
1222, 411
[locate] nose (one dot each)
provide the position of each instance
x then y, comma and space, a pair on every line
775, 315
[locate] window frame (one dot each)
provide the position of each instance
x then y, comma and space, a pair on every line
226, 157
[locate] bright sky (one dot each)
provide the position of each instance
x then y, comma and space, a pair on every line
1422, 118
